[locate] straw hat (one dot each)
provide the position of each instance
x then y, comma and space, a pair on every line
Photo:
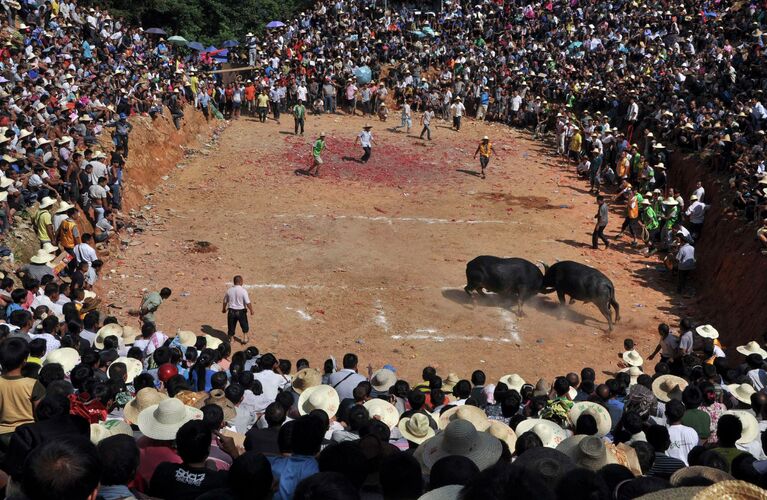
588, 452
730, 490
41, 257
130, 334
145, 398
504, 433
461, 438
51, 249
416, 428
485, 138
752, 347
63, 207
319, 397
670, 202
513, 381
92, 304
707, 332
193, 399
599, 412
308, 377
668, 387
742, 392
542, 388
449, 382
134, 367
46, 202
750, 425
449, 492
109, 428
681, 476
218, 398
367, 126
383, 379
634, 373
67, 357
385, 411
212, 342
550, 433
632, 358
186, 338
470, 413
162, 421
5, 182
646, 202
108, 331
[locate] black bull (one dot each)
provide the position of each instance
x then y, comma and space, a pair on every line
520, 279
582, 283
514, 278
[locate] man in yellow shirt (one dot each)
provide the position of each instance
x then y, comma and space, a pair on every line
44, 222
18, 394
262, 105
485, 149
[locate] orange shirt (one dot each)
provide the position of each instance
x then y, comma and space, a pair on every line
250, 92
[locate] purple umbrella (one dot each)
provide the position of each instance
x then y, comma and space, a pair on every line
275, 24
155, 31
196, 46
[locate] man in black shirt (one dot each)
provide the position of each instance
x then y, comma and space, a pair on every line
192, 478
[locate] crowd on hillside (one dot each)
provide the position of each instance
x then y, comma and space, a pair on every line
91, 408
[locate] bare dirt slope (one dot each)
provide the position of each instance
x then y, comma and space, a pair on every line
371, 258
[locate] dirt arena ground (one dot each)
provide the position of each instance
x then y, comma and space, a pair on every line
371, 258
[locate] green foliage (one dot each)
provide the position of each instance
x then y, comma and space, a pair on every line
206, 21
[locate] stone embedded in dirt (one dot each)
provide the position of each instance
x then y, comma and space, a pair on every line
202, 246
539, 341
359, 341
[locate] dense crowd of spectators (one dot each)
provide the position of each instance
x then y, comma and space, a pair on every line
89, 407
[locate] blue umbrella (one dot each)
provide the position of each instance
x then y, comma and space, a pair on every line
211, 49
196, 46
363, 74
156, 31
275, 24
230, 43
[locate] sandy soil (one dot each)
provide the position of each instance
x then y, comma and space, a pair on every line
371, 258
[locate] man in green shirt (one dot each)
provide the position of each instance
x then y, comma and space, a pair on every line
317, 149
151, 303
299, 112
650, 222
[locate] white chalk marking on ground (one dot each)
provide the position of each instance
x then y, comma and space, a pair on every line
284, 286
431, 334
390, 220
301, 313
380, 317
510, 324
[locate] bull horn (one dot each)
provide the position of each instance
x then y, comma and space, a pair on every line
545, 266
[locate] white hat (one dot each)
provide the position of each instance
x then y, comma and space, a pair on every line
48, 247
416, 428
212, 342
513, 381
134, 367
670, 202
63, 207
46, 202
130, 334
186, 338
599, 412
385, 411
550, 433
41, 257
749, 423
5, 182
668, 387
694, 198
108, 331
503, 432
67, 357
752, 347
383, 379
707, 332
632, 358
470, 413
145, 398
162, 421
485, 138
320, 397
742, 392
109, 428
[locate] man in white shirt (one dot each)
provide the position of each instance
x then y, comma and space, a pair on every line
699, 191
84, 252
49, 300
365, 138
271, 382
236, 306
686, 340
696, 213
49, 324
683, 438
344, 381
457, 109
685, 258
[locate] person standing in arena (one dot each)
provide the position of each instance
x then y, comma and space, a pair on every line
484, 149
236, 307
365, 138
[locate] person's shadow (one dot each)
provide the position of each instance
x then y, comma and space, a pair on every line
351, 158
468, 172
302, 171
214, 332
